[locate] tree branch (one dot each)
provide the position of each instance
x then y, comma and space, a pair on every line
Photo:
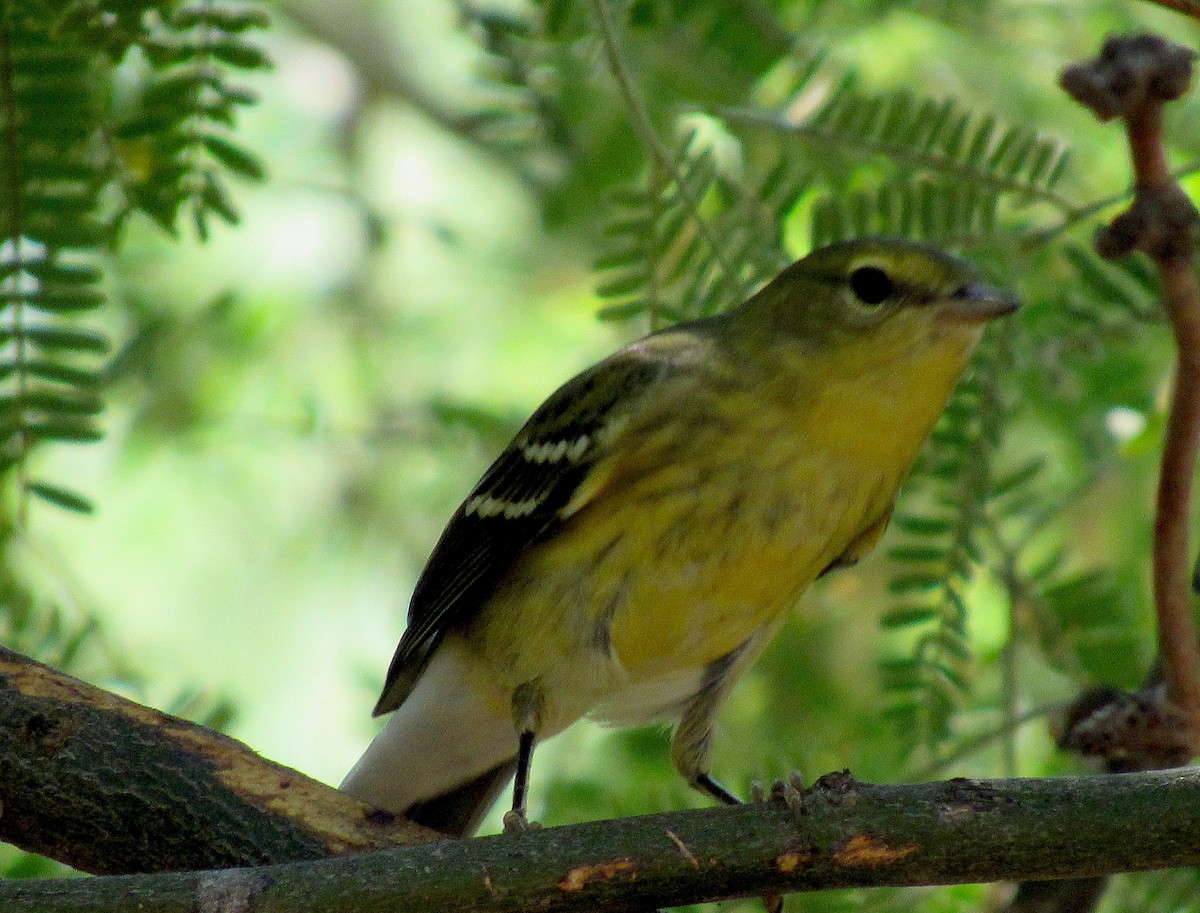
107, 785
842, 834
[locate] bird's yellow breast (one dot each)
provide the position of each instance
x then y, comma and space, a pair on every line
706, 524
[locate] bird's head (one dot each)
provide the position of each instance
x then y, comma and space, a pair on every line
877, 300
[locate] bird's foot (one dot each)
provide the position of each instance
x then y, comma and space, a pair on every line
515, 822
791, 792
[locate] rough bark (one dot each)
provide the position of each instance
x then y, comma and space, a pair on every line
107, 785
841, 834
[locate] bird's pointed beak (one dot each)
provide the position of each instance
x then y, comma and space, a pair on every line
977, 302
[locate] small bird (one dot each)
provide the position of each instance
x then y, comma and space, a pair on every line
633, 550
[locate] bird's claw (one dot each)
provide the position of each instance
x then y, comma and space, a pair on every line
515, 822
792, 792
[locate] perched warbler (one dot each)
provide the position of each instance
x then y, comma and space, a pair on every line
633, 550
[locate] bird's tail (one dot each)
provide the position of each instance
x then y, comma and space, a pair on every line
460, 811
445, 754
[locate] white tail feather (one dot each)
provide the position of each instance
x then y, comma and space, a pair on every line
444, 734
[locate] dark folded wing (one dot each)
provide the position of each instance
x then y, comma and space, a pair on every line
519, 500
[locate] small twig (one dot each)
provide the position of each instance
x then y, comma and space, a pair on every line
1079, 214
979, 742
1180, 650
1159, 725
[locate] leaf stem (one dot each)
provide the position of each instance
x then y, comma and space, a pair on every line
644, 127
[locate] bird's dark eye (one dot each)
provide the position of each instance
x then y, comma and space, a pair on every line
871, 284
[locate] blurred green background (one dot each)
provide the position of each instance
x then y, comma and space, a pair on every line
295, 407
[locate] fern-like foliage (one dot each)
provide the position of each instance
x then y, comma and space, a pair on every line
526, 69
690, 240
920, 136
656, 250
898, 164
48, 238
525, 112
689, 243
1127, 291
942, 523
939, 211
67, 150
178, 142
169, 131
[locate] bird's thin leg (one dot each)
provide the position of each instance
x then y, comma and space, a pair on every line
704, 783
521, 781
527, 711
691, 748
